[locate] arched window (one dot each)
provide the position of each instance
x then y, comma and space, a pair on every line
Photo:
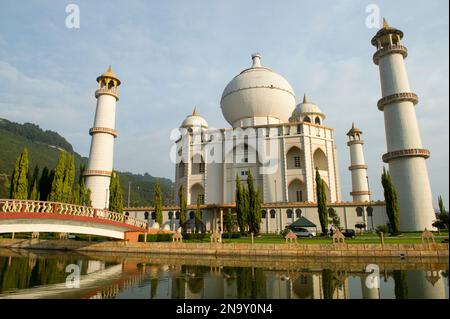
181, 169
369, 211
146, 215
177, 215
263, 214
359, 211
191, 215
289, 213
307, 119
154, 215
320, 160
298, 213
127, 214
272, 213
170, 215
317, 120
299, 129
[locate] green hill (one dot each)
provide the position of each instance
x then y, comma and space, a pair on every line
43, 149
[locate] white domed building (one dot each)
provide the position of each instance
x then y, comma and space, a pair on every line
260, 105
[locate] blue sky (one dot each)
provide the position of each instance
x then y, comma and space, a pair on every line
174, 55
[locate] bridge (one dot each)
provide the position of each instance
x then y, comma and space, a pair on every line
25, 216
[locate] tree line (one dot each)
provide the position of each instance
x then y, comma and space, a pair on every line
49, 184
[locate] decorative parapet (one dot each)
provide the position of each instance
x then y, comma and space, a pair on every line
107, 92
349, 143
352, 167
410, 152
391, 49
96, 172
359, 193
103, 130
397, 97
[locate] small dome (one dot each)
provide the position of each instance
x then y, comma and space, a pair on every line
257, 92
305, 108
194, 120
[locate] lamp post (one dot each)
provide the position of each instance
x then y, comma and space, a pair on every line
129, 191
106, 198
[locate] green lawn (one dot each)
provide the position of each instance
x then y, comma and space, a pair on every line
408, 238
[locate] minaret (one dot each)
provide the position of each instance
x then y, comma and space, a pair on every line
405, 154
360, 188
99, 169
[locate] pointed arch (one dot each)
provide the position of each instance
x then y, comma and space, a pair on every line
320, 160
196, 190
295, 158
297, 191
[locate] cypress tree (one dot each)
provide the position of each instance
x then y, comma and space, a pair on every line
115, 194
44, 184
257, 213
251, 202
240, 205
198, 214
245, 206
390, 197
321, 203
57, 189
183, 206
88, 201
158, 204
33, 185
443, 214
69, 176
19, 178
228, 221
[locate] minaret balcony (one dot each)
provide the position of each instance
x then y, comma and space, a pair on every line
107, 91
349, 143
360, 166
95, 172
390, 49
107, 130
397, 97
410, 152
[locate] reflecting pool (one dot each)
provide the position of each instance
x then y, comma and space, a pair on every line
44, 274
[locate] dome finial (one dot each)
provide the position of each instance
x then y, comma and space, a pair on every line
109, 69
256, 57
194, 112
305, 100
385, 24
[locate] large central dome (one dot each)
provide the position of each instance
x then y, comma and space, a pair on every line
258, 95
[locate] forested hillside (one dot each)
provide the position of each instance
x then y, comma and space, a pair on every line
43, 149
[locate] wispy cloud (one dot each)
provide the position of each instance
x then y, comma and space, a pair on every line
176, 55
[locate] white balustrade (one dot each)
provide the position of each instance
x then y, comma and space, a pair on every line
30, 206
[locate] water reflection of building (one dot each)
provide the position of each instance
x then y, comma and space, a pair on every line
425, 284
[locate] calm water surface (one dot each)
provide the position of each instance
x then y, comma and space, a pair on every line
40, 274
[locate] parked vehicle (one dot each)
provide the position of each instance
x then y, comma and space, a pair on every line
303, 232
349, 233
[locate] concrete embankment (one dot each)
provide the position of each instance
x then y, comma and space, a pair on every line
219, 249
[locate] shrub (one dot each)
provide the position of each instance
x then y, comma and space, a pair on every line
156, 237
231, 235
196, 236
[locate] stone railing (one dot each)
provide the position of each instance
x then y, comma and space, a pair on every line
30, 206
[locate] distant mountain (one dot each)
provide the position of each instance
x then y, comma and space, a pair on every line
43, 150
